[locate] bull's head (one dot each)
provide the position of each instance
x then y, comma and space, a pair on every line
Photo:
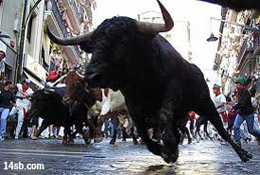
74, 87
116, 45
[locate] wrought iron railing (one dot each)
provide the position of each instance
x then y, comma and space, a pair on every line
242, 50
61, 23
78, 15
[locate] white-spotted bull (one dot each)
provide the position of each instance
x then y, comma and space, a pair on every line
158, 84
113, 106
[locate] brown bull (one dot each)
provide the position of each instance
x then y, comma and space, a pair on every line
75, 94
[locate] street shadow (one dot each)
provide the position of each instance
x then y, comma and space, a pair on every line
160, 169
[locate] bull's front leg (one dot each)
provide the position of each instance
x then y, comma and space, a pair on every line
67, 138
142, 127
169, 134
170, 114
133, 135
43, 126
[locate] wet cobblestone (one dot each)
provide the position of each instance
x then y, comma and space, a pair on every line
125, 158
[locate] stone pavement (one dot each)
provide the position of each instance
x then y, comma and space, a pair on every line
123, 158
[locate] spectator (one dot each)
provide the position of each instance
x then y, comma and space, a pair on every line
6, 100
22, 104
220, 103
245, 112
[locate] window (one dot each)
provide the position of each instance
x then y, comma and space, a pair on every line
29, 27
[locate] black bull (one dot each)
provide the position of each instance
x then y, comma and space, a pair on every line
49, 105
158, 84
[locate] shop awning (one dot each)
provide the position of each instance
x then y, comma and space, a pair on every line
34, 80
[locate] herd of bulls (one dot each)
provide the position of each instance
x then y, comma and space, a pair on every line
86, 110
159, 86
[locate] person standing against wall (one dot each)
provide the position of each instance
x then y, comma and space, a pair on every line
6, 101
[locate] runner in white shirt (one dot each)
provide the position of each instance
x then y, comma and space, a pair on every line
220, 104
22, 104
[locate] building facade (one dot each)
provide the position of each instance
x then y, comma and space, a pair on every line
10, 24
238, 51
30, 53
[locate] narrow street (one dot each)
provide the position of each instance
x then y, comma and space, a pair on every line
123, 158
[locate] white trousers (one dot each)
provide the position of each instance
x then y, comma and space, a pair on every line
13, 111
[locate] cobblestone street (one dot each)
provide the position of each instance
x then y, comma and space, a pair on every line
202, 158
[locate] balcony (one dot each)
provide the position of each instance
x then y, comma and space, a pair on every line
73, 14
34, 67
54, 21
57, 15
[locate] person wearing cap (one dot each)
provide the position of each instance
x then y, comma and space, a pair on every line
22, 104
245, 112
220, 103
2, 64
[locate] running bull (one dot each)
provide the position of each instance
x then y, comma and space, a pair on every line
158, 84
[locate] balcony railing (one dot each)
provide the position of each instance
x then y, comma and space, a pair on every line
61, 23
78, 15
242, 50
56, 12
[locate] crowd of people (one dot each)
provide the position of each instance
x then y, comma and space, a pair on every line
239, 111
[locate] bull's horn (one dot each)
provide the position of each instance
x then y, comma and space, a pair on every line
69, 41
81, 76
60, 79
152, 28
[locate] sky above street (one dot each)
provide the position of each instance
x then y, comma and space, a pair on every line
196, 12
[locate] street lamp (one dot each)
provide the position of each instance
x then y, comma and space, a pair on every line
213, 38
3, 34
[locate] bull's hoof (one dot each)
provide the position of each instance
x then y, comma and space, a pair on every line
64, 142
154, 147
135, 141
112, 142
98, 140
34, 138
248, 155
189, 141
124, 139
169, 155
169, 158
70, 143
87, 141
245, 156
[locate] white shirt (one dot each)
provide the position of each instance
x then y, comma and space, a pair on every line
218, 100
23, 103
